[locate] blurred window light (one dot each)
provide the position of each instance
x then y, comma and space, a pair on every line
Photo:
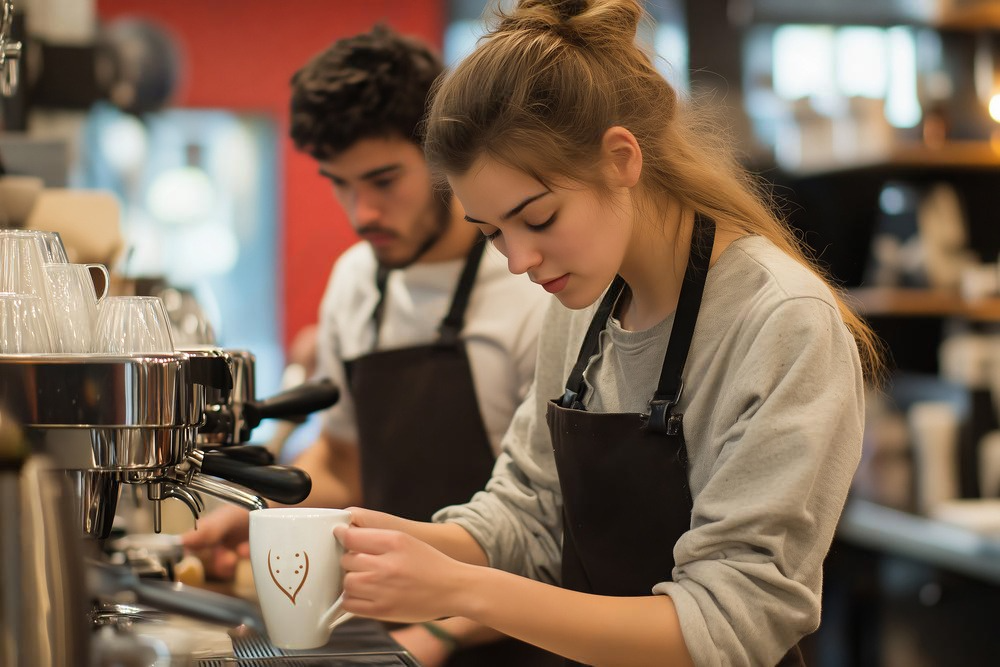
804, 61
671, 46
902, 106
460, 38
181, 196
204, 250
861, 54
123, 143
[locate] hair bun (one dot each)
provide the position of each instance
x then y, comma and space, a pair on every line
585, 23
567, 9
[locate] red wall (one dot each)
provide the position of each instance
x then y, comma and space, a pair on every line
240, 55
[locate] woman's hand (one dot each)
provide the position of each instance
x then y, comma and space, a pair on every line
392, 576
364, 518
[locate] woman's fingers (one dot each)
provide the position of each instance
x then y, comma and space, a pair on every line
358, 562
366, 518
369, 540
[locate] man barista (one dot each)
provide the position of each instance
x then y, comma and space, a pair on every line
430, 337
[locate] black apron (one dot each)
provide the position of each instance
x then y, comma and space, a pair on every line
421, 437
607, 461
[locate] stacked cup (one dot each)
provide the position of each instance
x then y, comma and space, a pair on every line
49, 305
25, 320
133, 325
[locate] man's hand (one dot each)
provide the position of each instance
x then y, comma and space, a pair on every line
220, 541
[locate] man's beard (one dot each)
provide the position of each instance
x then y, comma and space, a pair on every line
441, 213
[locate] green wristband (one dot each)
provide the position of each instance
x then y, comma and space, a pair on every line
443, 635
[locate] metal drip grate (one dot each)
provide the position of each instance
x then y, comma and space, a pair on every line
373, 659
248, 643
358, 642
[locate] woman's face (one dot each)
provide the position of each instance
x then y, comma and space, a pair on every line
567, 239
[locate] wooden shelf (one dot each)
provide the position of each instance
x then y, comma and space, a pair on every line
974, 16
902, 302
952, 154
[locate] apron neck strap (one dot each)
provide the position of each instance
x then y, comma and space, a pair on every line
381, 283
575, 387
451, 325
454, 321
671, 382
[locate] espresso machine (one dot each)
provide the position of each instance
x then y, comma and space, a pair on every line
166, 425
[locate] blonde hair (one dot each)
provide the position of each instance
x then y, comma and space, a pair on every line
552, 76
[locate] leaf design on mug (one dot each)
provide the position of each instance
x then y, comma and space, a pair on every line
296, 569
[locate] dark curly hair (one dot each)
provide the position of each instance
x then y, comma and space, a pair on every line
375, 84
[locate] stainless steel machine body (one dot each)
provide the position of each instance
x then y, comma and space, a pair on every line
169, 424
108, 421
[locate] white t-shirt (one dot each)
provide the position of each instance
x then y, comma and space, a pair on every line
502, 322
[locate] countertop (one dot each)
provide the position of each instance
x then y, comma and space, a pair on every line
932, 541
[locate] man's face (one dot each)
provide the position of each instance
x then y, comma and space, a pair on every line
384, 187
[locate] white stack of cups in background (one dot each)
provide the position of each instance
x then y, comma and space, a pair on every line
972, 361
934, 429
989, 446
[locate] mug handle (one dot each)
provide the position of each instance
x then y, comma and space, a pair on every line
334, 616
106, 277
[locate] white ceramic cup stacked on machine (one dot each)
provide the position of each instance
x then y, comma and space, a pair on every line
26, 320
33, 263
73, 302
133, 325
22, 263
24, 327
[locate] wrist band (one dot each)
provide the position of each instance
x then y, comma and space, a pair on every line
442, 635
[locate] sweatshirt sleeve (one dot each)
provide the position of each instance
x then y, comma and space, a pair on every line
786, 428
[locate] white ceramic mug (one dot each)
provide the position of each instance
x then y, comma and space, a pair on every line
296, 571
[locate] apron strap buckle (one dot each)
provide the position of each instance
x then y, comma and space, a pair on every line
661, 418
571, 401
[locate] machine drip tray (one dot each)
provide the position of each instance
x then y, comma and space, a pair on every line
356, 642
380, 659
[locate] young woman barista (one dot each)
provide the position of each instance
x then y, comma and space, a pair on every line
670, 488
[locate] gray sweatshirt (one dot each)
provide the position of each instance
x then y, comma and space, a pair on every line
773, 411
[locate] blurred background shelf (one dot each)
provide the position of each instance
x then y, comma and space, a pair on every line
914, 302
952, 154
930, 541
